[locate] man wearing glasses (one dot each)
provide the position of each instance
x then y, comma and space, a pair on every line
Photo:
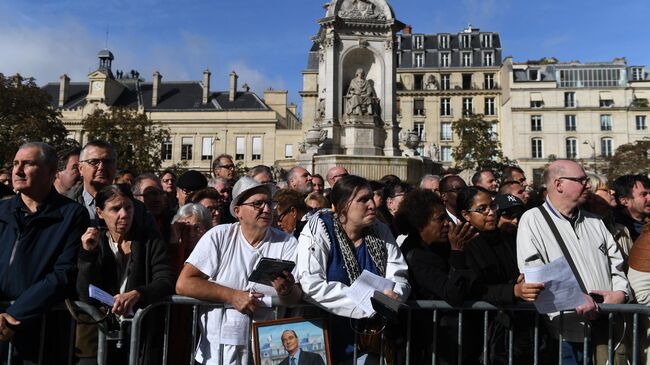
592, 248
449, 188
224, 167
98, 166
220, 265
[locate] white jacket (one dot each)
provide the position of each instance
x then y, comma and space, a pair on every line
592, 248
313, 251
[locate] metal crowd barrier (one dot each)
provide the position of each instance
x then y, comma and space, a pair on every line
437, 308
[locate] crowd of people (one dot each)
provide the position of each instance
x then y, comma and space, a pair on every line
71, 220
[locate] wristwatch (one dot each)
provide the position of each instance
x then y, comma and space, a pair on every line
626, 296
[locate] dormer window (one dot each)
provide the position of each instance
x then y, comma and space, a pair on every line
533, 74
467, 59
637, 73
488, 59
443, 41
465, 40
444, 59
418, 41
486, 40
418, 59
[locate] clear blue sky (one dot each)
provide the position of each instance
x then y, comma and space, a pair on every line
266, 41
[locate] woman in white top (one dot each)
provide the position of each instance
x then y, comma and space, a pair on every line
335, 248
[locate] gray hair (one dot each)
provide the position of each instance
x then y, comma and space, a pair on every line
98, 143
47, 154
429, 177
135, 188
196, 210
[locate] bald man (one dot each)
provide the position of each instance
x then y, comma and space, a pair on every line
334, 174
592, 248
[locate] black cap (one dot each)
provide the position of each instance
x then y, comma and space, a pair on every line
507, 201
192, 180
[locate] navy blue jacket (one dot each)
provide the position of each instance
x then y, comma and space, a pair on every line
44, 249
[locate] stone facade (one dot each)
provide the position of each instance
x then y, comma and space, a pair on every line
581, 111
202, 123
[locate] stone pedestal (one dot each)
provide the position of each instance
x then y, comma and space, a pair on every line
362, 135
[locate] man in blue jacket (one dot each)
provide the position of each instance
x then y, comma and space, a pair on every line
40, 235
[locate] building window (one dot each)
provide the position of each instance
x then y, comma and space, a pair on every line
493, 131
641, 123
488, 59
418, 41
399, 58
418, 127
166, 151
467, 81
398, 107
445, 82
443, 41
468, 106
533, 74
570, 123
606, 147
445, 132
538, 148
637, 73
288, 151
490, 106
418, 59
418, 82
606, 103
605, 122
445, 107
465, 41
486, 40
467, 59
571, 148
445, 153
418, 107
570, 100
590, 77
536, 104
257, 148
399, 41
206, 148
536, 123
488, 81
186, 148
444, 59
240, 148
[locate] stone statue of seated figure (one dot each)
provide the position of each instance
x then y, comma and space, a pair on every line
361, 97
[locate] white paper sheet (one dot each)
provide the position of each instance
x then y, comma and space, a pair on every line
364, 287
234, 329
561, 289
96, 293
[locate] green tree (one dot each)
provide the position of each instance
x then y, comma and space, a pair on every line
136, 139
478, 146
27, 115
630, 158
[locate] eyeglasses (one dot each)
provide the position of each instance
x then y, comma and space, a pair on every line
484, 209
284, 213
229, 167
581, 180
260, 204
94, 162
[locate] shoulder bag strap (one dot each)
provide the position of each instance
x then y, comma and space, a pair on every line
562, 245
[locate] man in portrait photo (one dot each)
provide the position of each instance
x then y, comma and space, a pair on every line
296, 356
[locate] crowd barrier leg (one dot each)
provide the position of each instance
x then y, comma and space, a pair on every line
41, 347
536, 341
635, 339
560, 340
510, 344
166, 334
460, 337
195, 319
485, 336
610, 338
409, 328
435, 337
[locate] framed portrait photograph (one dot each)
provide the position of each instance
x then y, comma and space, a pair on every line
291, 341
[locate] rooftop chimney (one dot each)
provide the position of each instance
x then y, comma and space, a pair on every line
64, 89
156, 85
246, 88
407, 30
206, 86
233, 86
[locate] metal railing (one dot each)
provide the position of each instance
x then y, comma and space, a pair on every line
438, 310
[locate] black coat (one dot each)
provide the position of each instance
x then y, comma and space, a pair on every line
437, 272
44, 248
306, 358
148, 270
495, 264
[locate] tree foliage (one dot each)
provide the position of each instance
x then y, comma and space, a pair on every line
479, 146
630, 158
26, 115
136, 139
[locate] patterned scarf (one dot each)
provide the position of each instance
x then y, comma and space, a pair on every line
376, 249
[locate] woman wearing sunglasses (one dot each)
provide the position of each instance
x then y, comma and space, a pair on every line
495, 263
